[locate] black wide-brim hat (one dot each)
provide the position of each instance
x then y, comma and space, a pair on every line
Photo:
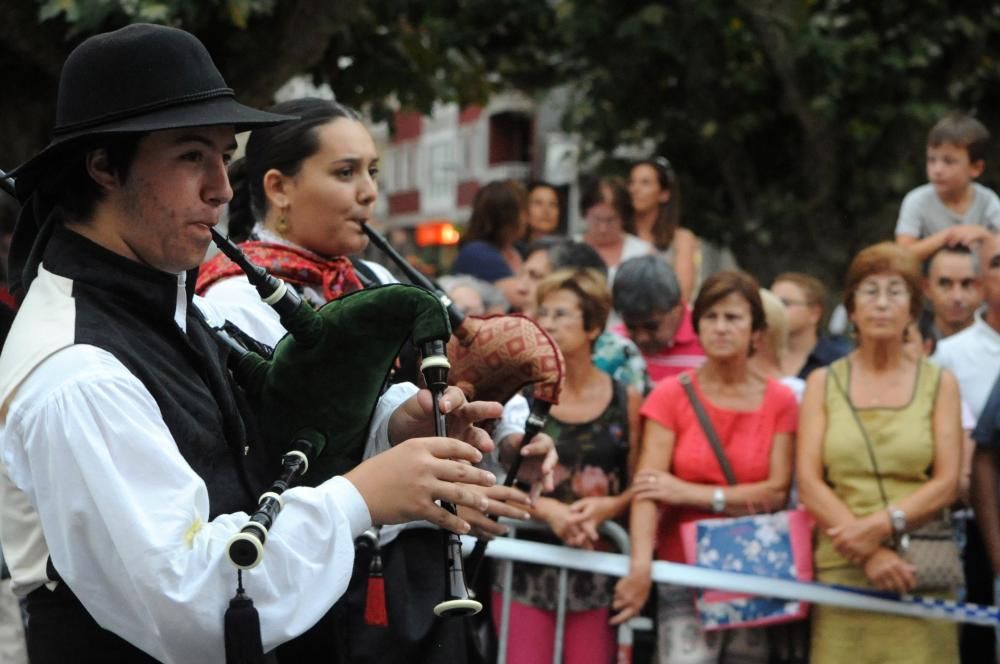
138, 79
141, 78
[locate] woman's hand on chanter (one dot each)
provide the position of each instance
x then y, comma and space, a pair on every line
857, 539
631, 593
415, 417
539, 462
888, 571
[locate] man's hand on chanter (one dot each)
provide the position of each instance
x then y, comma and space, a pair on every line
402, 483
503, 501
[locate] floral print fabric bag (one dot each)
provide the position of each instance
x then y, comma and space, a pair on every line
772, 545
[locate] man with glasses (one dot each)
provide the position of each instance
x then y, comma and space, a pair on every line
647, 296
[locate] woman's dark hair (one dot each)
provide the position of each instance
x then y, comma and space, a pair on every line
669, 216
283, 147
722, 284
76, 192
610, 190
577, 255
496, 215
542, 184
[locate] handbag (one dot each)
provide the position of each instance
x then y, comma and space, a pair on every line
930, 548
777, 545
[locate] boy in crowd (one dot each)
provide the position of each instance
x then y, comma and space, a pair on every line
951, 209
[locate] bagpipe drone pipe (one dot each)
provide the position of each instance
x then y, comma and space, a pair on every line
492, 359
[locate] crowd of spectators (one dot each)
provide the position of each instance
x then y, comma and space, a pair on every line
797, 410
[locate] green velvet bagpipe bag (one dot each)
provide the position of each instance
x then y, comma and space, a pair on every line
324, 378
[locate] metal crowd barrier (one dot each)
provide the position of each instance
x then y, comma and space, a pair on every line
619, 538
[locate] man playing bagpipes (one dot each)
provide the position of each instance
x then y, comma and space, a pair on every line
128, 461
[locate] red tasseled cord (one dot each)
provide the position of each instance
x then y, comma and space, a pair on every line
375, 613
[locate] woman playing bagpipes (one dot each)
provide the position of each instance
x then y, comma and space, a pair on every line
308, 188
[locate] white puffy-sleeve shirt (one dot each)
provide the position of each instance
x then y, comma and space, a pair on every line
126, 519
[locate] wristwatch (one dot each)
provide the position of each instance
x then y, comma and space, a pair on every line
718, 500
897, 518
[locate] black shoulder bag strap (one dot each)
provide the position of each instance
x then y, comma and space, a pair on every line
621, 398
706, 426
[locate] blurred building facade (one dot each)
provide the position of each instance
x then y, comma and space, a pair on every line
433, 165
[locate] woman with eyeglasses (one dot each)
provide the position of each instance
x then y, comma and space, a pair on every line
679, 479
607, 211
879, 454
655, 197
595, 426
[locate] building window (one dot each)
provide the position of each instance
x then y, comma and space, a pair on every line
510, 138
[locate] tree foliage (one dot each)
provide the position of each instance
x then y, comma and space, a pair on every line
407, 52
796, 126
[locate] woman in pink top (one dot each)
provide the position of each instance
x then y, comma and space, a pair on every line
679, 476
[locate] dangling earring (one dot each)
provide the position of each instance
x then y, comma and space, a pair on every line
281, 225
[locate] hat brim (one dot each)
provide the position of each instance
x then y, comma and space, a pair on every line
222, 110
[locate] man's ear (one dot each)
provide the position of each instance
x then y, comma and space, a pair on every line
99, 169
977, 168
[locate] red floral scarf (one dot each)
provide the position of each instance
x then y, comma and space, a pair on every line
333, 277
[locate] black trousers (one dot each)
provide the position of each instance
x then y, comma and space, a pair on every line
414, 572
60, 630
976, 643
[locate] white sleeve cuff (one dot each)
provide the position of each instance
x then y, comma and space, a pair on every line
515, 414
351, 503
378, 433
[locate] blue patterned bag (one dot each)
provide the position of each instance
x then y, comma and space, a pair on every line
773, 545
